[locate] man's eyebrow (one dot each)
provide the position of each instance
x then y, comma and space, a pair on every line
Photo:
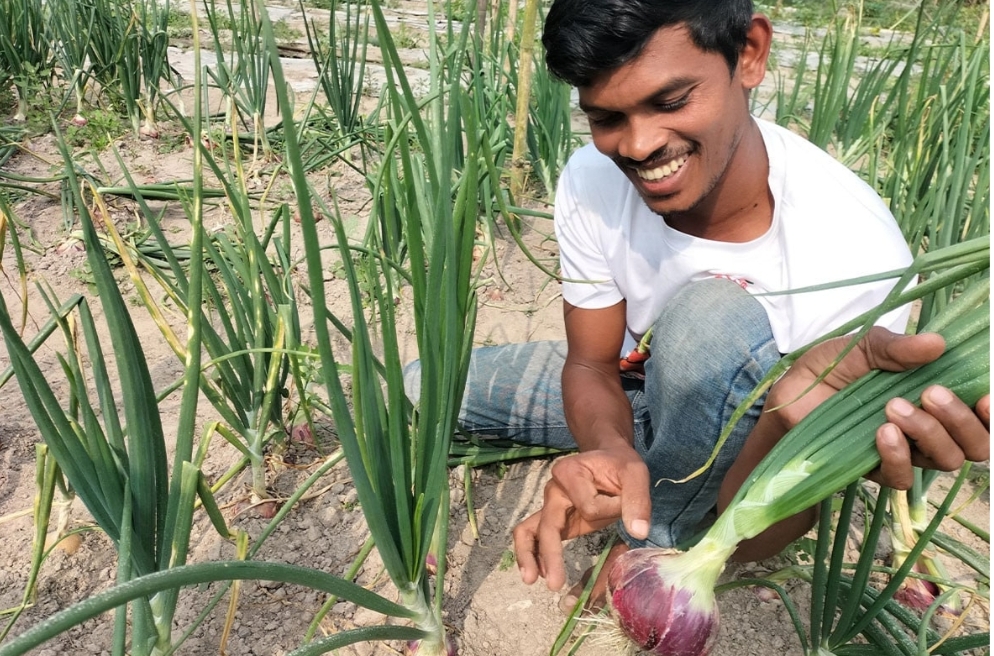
670, 86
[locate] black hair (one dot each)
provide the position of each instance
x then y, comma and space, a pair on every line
584, 38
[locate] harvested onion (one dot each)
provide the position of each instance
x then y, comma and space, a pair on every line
658, 608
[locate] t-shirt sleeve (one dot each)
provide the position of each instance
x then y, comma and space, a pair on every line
587, 278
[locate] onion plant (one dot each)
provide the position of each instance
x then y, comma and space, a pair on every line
846, 606
843, 605
25, 50
398, 454
523, 89
118, 465
128, 49
10, 135
114, 55
550, 137
256, 317
340, 59
241, 70
69, 28
908, 520
542, 129
152, 18
915, 122
46, 473
9, 231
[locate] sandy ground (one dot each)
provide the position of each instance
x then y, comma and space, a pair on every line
487, 609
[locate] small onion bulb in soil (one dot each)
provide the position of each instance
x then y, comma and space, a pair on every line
424, 648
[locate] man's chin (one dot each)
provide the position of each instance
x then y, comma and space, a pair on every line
667, 205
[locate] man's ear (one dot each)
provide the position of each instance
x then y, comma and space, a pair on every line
752, 58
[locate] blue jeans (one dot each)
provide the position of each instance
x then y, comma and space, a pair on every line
711, 345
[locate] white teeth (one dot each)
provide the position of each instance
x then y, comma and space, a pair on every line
664, 171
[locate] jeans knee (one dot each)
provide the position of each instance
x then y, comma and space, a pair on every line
708, 332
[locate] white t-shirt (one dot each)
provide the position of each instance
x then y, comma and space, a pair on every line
828, 225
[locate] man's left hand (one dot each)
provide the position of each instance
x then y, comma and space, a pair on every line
941, 434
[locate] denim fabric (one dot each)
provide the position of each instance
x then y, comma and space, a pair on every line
711, 345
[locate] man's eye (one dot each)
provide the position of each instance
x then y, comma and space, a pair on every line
602, 120
672, 106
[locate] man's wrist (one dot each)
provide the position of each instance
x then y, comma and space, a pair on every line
606, 442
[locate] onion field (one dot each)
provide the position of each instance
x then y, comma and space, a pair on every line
227, 225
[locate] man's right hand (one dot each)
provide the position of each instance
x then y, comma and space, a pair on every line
587, 492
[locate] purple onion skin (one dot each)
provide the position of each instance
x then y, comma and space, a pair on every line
660, 615
431, 564
916, 594
413, 648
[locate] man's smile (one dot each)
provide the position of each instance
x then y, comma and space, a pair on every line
664, 171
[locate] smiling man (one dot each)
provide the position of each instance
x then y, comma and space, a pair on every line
677, 219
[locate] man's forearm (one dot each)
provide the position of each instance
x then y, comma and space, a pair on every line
597, 410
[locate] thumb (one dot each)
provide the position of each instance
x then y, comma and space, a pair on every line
878, 349
635, 504
893, 352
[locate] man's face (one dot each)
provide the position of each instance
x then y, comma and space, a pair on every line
670, 118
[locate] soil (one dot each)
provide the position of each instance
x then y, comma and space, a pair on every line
487, 609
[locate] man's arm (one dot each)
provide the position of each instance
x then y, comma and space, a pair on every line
607, 480
597, 410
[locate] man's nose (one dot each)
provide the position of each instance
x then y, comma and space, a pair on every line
641, 139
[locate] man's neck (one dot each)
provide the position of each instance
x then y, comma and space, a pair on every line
740, 207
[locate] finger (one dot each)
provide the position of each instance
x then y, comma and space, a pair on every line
526, 548
549, 535
636, 507
927, 433
879, 349
969, 431
983, 410
895, 459
895, 352
593, 503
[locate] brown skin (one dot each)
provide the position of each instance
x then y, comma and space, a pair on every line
675, 101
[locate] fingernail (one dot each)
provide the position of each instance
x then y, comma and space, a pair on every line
902, 407
890, 434
940, 395
640, 528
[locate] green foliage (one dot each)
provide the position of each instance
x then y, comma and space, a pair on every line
506, 560
340, 60
119, 468
25, 51
178, 24
8, 97
284, 32
101, 128
878, 14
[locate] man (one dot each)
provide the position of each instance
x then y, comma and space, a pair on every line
682, 212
